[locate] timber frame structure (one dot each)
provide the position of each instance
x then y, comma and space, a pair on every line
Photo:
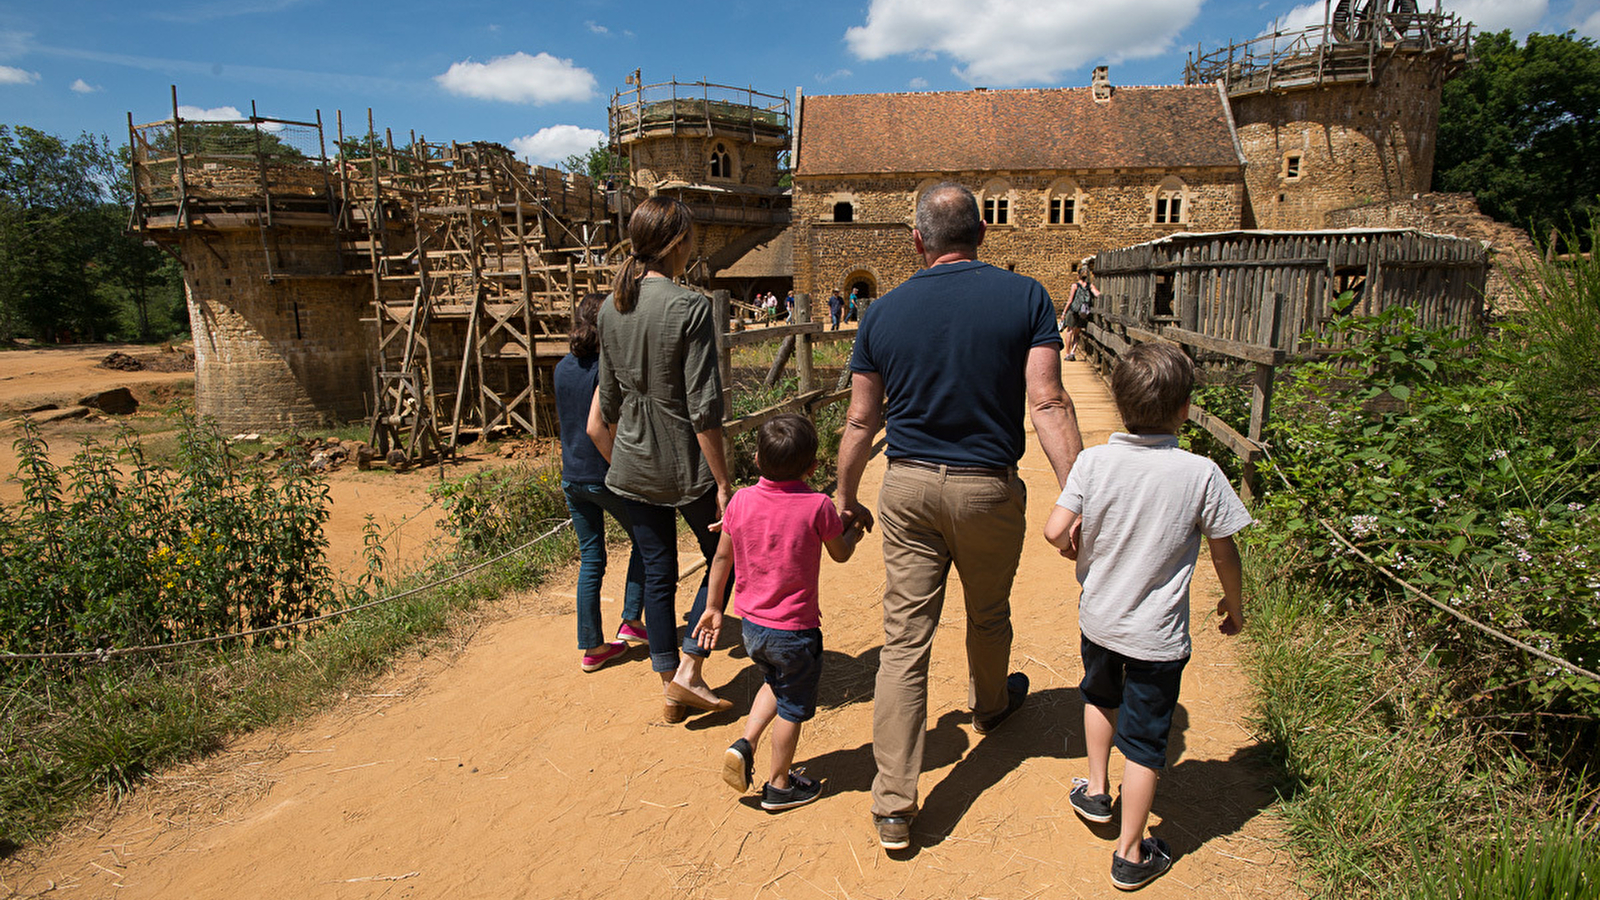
1355, 40
470, 260
476, 261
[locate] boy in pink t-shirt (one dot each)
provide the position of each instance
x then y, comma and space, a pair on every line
772, 539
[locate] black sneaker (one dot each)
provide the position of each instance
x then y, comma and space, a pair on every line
1127, 876
1090, 807
1016, 693
737, 765
801, 790
894, 832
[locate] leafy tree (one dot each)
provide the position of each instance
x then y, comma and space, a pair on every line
600, 164
66, 264
1521, 130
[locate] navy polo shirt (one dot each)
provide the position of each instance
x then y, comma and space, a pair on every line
951, 344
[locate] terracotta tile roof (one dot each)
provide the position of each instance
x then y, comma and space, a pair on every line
983, 130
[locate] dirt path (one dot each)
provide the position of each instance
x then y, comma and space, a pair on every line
503, 771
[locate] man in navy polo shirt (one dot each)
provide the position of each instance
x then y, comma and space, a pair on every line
958, 351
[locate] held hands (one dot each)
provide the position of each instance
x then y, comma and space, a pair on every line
856, 517
1232, 619
709, 629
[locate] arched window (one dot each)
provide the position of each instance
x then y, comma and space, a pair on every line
1170, 205
995, 202
844, 211
721, 162
1064, 203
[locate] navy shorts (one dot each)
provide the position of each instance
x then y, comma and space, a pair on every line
791, 662
1145, 692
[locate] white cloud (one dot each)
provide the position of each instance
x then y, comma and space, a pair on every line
597, 28
835, 75
550, 146
1009, 42
1521, 16
83, 87
917, 83
520, 78
214, 114
13, 75
1590, 27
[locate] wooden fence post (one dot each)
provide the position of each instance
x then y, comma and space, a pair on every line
720, 310
808, 375
1267, 328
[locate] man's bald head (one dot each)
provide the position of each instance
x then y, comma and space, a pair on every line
948, 220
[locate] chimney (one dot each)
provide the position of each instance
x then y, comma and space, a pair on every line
1101, 84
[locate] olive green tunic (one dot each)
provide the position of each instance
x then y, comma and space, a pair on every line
660, 385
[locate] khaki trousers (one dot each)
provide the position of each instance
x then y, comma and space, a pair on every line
931, 518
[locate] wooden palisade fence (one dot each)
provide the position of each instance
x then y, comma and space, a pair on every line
802, 337
1263, 299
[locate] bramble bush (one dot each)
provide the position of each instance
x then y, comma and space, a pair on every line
1438, 459
95, 558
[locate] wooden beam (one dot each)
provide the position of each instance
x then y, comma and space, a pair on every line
1242, 447
1236, 349
773, 333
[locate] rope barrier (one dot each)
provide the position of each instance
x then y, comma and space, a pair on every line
1413, 589
104, 654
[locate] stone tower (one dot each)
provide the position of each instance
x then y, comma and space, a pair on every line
1339, 114
718, 149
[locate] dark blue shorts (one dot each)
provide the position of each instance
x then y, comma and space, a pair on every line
1146, 693
791, 662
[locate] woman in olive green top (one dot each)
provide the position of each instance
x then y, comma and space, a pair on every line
658, 417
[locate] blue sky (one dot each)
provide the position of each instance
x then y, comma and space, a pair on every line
538, 76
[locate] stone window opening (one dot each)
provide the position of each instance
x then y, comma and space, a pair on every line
995, 201
721, 162
1064, 203
1291, 167
1169, 205
844, 211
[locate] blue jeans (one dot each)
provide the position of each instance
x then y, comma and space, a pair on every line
588, 504
655, 535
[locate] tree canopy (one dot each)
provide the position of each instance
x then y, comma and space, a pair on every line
66, 267
1521, 130
600, 164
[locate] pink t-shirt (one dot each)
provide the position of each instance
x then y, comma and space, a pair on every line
777, 529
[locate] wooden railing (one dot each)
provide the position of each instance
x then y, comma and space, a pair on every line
797, 341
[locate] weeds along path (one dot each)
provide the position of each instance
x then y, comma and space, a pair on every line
499, 770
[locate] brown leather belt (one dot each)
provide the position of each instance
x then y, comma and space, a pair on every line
953, 470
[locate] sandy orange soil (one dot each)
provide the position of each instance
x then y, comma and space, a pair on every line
499, 770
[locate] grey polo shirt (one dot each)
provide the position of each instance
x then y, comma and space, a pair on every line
660, 385
1145, 505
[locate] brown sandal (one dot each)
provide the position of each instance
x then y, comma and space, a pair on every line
677, 693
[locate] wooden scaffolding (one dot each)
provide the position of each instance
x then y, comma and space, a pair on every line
477, 261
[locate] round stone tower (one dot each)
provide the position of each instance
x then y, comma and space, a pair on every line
718, 149
1340, 114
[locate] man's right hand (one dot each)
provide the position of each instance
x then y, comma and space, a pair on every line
852, 514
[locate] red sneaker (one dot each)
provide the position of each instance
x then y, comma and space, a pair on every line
611, 651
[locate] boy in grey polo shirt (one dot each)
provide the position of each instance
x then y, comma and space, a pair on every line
1132, 515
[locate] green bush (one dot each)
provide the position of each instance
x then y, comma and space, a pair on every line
97, 559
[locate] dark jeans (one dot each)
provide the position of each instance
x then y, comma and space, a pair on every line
588, 504
655, 534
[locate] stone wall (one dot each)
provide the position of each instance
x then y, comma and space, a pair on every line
277, 355
1113, 209
1356, 142
686, 159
